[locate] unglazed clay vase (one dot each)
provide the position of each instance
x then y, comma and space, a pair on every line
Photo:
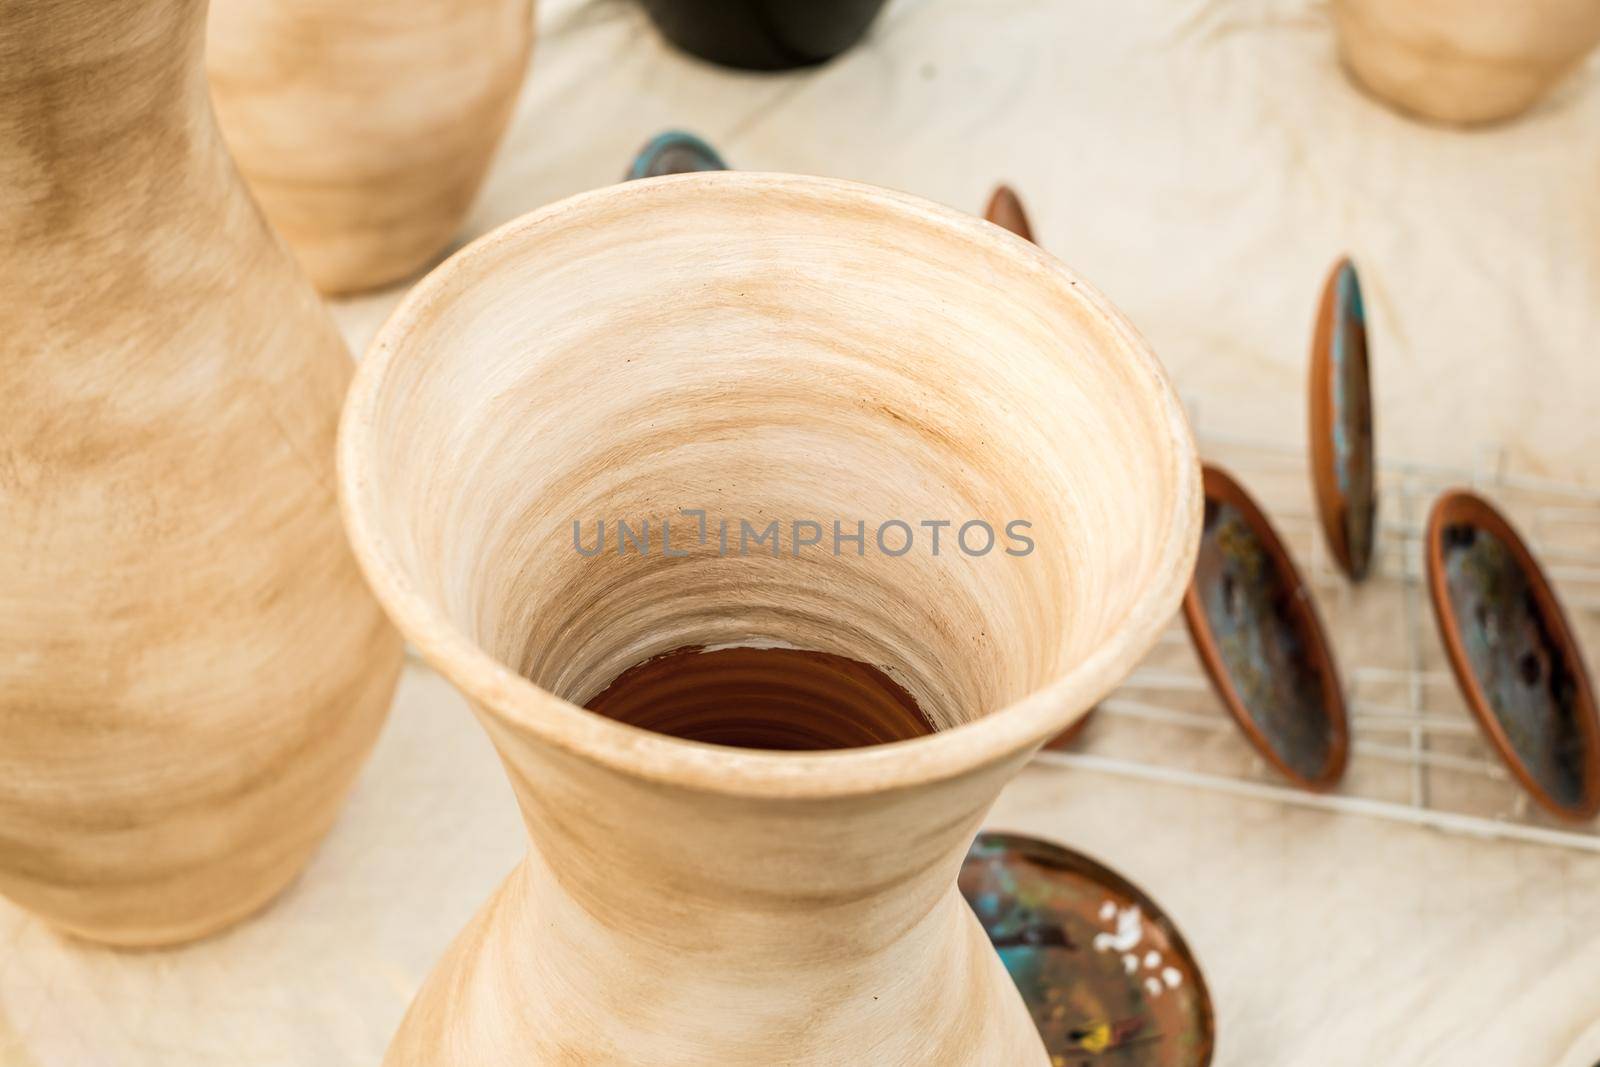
191, 668
365, 127
1464, 61
761, 348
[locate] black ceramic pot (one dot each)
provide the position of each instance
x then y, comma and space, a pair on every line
763, 34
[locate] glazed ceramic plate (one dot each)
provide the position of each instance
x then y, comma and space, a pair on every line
1513, 653
1005, 209
1342, 462
1105, 974
674, 152
1261, 642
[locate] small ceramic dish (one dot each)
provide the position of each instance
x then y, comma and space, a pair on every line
1005, 209
1513, 653
1343, 467
1104, 972
674, 152
1261, 641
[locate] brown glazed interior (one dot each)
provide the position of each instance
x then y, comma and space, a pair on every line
785, 699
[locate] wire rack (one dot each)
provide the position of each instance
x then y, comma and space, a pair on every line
1417, 755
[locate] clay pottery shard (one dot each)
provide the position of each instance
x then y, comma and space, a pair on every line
365, 127
676, 343
1514, 654
1261, 641
1343, 467
1103, 970
1005, 209
763, 34
674, 152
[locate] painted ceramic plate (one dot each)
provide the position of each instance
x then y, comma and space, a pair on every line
1342, 462
1102, 969
674, 152
1514, 654
1259, 638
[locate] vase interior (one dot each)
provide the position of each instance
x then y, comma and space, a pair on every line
710, 353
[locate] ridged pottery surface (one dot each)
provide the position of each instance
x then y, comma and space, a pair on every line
1261, 642
191, 668
365, 127
786, 699
1005, 209
1514, 654
1343, 467
1464, 61
1104, 972
673, 152
660, 348
763, 34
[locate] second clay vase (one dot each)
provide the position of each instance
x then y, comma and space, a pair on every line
1464, 61
191, 667
365, 127
764, 349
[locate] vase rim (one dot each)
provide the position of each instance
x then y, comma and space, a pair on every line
519, 703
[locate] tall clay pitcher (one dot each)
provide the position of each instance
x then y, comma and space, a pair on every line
741, 361
191, 670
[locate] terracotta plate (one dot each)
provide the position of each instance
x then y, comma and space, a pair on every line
1513, 653
1342, 462
1260, 639
674, 152
1104, 972
1005, 209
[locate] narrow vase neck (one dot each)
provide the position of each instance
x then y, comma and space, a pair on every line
680, 869
101, 104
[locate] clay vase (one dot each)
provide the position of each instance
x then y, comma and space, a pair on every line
1464, 61
760, 348
191, 668
763, 34
365, 127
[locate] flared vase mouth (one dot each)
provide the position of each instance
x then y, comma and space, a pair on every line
513, 701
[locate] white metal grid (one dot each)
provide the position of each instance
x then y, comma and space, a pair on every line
1417, 754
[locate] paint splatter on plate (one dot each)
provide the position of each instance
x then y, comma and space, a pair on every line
1105, 974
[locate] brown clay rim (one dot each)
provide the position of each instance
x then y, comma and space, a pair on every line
1221, 486
1332, 505
1464, 507
1006, 211
1003, 733
1074, 862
